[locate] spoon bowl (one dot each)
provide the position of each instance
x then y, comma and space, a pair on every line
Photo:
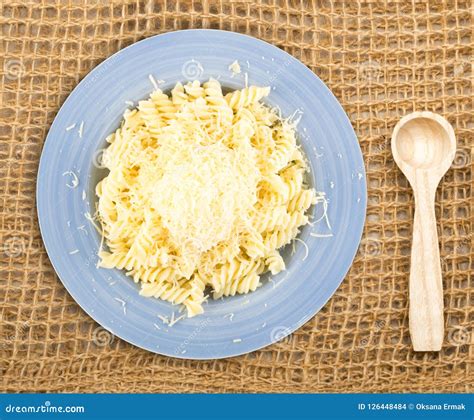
423, 141
423, 146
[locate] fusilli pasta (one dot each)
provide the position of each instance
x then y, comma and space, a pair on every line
203, 190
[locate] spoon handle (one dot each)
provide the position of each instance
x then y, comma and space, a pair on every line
426, 287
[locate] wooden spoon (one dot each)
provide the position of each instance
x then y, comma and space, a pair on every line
423, 146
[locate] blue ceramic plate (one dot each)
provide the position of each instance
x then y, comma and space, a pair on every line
230, 326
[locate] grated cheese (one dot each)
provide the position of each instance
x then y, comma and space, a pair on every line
321, 197
74, 179
153, 81
164, 319
316, 153
88, 217
321, 235
81, 129
305, 247
230, 316
174, 321
82, 228
226, 181
235, 68
124, 305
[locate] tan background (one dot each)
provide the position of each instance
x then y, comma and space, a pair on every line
382, 61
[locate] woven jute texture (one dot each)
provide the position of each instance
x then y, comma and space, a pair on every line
382, 61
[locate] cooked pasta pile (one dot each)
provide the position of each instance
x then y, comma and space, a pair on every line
203, 191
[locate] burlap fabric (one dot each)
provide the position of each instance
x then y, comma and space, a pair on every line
382, 61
